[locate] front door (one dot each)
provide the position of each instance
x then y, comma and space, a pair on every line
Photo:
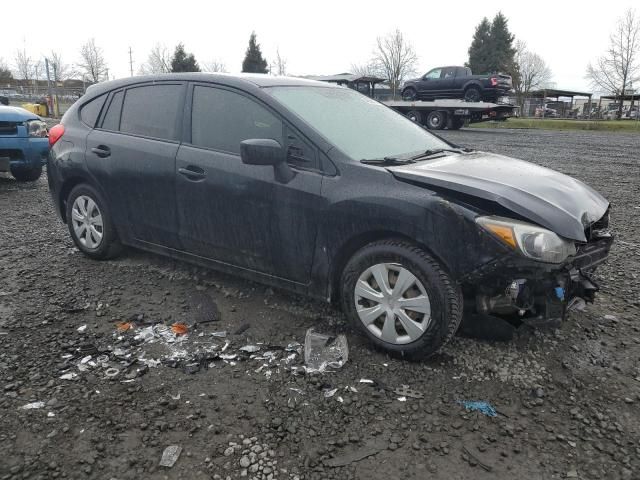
132, 154
430, 85
240, 214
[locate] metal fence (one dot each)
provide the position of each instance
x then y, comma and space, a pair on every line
62, 98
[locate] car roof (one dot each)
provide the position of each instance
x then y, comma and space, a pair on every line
16, 114
237, 80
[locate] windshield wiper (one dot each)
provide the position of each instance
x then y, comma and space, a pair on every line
387, 161
430, 152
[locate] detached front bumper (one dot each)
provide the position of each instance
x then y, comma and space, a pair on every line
518, 289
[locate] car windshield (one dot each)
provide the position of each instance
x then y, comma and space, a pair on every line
359, 126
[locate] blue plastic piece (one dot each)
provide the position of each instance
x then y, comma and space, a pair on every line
560, 293
482, 407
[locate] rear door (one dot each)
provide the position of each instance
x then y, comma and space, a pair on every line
239, 214
132, 154
448, 81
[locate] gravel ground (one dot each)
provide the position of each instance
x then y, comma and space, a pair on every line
102, 406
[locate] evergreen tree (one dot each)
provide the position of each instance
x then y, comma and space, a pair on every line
183, 61
253, 61
479, 50
492, 48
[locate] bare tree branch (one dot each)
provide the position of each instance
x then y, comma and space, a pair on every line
370, 69
92, 61
158, 61
58, 70
396, 58
533, 72
619, 67
215, 66
24, 65
280, 64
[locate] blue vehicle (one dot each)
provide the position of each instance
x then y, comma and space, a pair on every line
24, 145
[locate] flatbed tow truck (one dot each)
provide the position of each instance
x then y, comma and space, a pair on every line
452, 114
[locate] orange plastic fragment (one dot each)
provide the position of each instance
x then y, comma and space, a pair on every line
179, 328
124, 326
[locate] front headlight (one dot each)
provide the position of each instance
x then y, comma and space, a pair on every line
37, 128
531, 240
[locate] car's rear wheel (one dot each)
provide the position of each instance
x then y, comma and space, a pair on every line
472, 94
436, 120
401, 298
90, 223
26, 174
409, 94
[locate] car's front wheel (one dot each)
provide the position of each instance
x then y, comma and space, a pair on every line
26, 174
401, 298
90, 223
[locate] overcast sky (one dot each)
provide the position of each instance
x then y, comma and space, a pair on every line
323, 37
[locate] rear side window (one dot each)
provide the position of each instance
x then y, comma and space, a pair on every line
111, 119
152, 111
221, 119
90, 110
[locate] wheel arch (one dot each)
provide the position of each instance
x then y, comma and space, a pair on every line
344, 253
474, 84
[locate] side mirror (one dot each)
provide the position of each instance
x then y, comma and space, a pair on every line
261, 151
266, 151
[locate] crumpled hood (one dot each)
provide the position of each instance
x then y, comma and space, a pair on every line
546, 197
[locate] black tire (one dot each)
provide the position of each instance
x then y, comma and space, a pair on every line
472, 94
109, 246
414, 116
23, 174
409, 94
455, 123
436, 120
444, 295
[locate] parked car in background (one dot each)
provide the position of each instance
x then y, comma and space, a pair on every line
321, 190
457, 82
546, 112
24, 145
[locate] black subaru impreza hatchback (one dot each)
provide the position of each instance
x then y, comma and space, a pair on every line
326, 192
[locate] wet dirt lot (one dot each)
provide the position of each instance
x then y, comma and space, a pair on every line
102, 405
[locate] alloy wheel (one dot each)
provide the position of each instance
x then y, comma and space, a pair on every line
392, 303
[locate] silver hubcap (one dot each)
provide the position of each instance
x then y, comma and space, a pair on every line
87, 222
392, 303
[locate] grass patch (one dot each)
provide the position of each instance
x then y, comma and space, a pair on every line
553, 124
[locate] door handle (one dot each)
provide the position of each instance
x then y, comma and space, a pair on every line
192, 172
102, 151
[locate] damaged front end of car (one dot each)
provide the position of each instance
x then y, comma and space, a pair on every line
544, 275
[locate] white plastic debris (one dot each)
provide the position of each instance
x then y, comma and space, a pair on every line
32, 406
322, 352
330, 393
365, 380
170, 455
250, 348
218, 334
402, 399
68, 376
82, 328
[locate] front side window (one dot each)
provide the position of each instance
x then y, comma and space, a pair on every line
152, 111
359, 126
433, 74
221, 119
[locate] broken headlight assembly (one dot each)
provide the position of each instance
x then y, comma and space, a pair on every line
530, 240
36, 128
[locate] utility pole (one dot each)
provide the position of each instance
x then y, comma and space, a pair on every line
51, 101
130, 62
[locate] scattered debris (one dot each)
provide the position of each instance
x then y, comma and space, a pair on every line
482, 407
366, 380
124, 326
402, 399
179, 328
405, 391
82, 328
170, 456
32, 406
367, 450
68, 376
250, 348
218, 334
322, 352
330, 393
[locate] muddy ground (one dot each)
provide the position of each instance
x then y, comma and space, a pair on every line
567, 396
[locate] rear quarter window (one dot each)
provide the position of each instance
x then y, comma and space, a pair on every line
111, 119
90, 111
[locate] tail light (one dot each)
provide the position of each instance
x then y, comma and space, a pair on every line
494, 81
55, 134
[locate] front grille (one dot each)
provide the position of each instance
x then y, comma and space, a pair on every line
8, 128
13, 154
